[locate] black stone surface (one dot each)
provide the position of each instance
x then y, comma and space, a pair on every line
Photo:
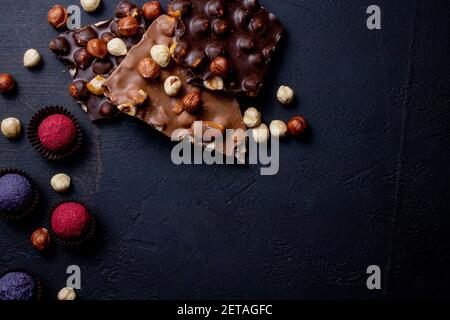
371, 186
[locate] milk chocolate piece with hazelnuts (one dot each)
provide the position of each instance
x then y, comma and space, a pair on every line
126, 86
71, 48
230, 39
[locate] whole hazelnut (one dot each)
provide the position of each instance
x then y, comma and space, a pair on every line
219, 66
82, 58
40, 239
214, 83
90, 5
285, 95
172, 86
67, 294
278, 128
192, 101
78, 90
252, 117
261, 133
57, 16
152, 10
97, 48
60, 46
177, 8
11, 128
124, 9
148, 68
95, 85
117, 47
60, 182
83, 36
31, 58
297, 125
161, 54
128, 26
107, 37
6, 82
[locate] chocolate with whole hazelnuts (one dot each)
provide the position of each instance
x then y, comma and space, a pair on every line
92, 53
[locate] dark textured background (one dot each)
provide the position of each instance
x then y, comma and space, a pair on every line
370, 187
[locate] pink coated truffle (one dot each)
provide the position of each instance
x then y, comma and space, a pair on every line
57, 132
70, 220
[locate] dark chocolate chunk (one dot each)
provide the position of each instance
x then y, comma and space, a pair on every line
241, 31
70, 48
126, 86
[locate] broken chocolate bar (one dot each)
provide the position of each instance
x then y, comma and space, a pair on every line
226, 44
137, 90
91, 56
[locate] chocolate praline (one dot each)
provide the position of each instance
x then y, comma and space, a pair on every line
16, 192
17, 286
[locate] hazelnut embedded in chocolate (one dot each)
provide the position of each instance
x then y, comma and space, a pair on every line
148, 68
128, 26
78, 90
220, 27
107, 109
152, 10
219, 66
178, 8
123, 9
192, 101
82, 58
102, 66
83, 36
107, 37
97, 48
60, 46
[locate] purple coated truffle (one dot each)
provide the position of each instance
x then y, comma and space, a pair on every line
15, 192
16, 286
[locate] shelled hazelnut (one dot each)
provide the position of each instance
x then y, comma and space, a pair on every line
40, 239
31, 58
285, 95
214, 83
11, 128
90, 5
172, 86
278, 128
117, 47
148, 68
60, 182
297, 126
161, 54
57, 16
192, 101
95, 86
128, 26
7, 82
261, 133
252, 118
67, 294
152, 10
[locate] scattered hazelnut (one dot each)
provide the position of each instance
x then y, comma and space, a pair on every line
128, 26
214, 83
148, 68
152, 10
31, 58
40, 239
285, 95
60, 182
60, 46
117, 47
261, 133
97, 48
297, 125
90, 5
7, 82
219, 66
252, 118
278, 128
95, 86
11, 128
192, 101
57, 16
172, 86
67, 294
161, 54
